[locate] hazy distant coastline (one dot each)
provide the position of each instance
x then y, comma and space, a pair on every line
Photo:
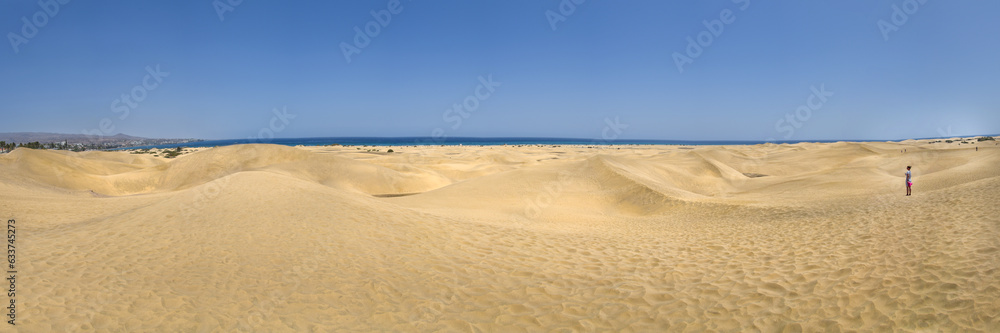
83, 141
489, 141
123, 141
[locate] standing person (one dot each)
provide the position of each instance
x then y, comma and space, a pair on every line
909, 180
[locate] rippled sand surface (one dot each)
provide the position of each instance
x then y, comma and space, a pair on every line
804, 237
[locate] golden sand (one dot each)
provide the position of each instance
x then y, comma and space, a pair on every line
803, 237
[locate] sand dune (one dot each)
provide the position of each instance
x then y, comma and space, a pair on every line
803, 237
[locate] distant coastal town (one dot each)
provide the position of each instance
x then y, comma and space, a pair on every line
78, 142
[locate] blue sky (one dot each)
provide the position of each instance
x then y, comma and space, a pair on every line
936, 73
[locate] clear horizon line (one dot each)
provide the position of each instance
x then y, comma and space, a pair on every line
522, 137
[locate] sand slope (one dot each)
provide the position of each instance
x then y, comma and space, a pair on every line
805, 237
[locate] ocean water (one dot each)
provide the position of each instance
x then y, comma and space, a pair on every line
454, 141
